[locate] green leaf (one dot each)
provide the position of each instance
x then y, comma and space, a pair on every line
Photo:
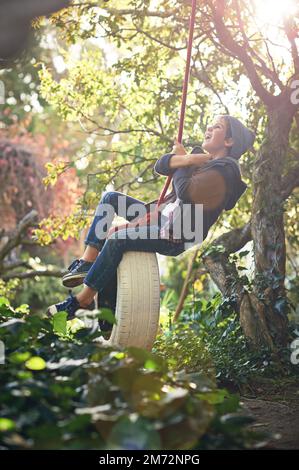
24, 309
106, 314
18, 357
5, 307
151, 365
6, 424
60, 323
243, 253
35, 363
4, 301
24, 375
213, 398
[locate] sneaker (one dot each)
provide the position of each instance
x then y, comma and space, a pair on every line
73, 264
77, 272
69, 305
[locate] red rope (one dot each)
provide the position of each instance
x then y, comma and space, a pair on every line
184, 97
183, 106
152, 215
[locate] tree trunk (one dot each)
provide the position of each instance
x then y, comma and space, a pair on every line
262, 310
263, 314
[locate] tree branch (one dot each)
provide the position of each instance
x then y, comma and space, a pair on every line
271, 74
228, 41
235, 239
14, 265
223, 273
291, 32
15, 238
34, 273
290, 181
184, 290
130, 11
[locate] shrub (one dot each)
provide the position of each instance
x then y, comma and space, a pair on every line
60, 388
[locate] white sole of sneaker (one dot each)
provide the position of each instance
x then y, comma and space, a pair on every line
73, 280
52, 310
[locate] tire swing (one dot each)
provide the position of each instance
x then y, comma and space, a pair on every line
134, 293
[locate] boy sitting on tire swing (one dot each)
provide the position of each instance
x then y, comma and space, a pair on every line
211, 179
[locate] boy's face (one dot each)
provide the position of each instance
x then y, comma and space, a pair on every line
215, 140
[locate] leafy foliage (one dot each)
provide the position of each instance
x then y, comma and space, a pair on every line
183, 349
61, 389
215, 326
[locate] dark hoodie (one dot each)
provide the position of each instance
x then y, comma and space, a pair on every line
227, 167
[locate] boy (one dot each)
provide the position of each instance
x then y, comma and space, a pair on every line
211, 179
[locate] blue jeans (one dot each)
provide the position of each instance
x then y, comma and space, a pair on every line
112, 249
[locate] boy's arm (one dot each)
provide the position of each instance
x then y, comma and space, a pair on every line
162, 167
170, 162
190, 159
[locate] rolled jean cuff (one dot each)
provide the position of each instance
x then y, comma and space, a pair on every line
97, 245
88, 284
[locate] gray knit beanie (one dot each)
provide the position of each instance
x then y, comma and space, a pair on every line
243, 137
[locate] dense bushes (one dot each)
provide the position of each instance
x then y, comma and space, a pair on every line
209, 334
61, 389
